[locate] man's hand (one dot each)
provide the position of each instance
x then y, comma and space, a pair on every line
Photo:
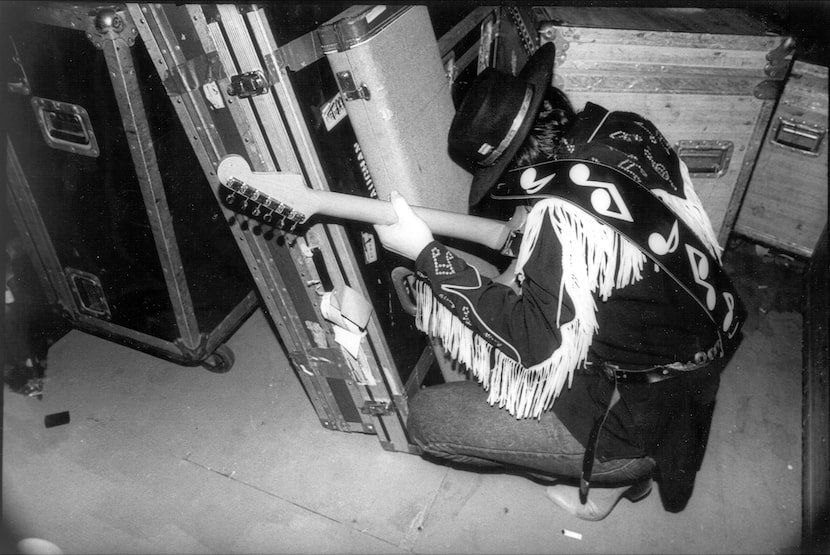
409, 235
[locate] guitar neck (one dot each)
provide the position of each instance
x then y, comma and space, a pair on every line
490, 233
494, 234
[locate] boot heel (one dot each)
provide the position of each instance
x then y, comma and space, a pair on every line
600, 500
638, 491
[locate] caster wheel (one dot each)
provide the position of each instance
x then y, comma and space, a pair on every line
220, 361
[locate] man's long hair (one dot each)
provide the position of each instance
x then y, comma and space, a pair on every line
554, 120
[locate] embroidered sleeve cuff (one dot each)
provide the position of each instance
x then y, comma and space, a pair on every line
437, 262
423, 262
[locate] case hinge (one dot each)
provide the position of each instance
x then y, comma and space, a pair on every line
377, 408
350, 91
245, 85
779, 59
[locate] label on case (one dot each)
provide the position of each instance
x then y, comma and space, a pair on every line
334, 111
370, 248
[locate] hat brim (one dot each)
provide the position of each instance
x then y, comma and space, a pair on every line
538, 71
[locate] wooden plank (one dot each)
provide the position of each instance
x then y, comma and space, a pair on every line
670, 49
692, 20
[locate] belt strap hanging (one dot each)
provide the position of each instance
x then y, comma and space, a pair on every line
590, 449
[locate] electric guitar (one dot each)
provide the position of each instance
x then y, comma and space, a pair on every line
282, 199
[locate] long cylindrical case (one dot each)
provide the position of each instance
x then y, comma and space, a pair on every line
107, 194
401, 123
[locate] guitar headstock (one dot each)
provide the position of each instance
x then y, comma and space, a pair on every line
264, 195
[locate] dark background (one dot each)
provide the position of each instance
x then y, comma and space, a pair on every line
806, 21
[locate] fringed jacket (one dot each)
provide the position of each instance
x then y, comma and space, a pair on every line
586, 295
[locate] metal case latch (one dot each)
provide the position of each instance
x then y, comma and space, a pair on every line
248, 84
347, 86
377, 408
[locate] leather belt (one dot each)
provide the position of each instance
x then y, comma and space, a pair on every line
649, 375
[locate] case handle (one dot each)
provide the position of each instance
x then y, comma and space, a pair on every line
708, 159
89, 293
799, 136
65, 126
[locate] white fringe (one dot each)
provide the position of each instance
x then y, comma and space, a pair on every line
595, 260
691, 211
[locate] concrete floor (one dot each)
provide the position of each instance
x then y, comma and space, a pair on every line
160, 458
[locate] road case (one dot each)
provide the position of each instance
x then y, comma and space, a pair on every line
786, 200
237, 91
254, 89
708, 78
107, 195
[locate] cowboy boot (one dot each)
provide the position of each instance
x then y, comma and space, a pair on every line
600, 500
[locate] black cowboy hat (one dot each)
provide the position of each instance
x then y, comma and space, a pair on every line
495, 116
